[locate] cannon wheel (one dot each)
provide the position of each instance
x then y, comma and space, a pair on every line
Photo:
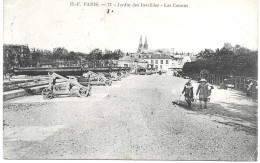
47, 93
83, 92
108, 82
102, 81
89, 93
89, 90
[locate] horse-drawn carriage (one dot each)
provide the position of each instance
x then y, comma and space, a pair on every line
68, 86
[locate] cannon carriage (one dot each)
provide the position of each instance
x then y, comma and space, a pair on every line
115, 76
69, 86
98, 79
124, 74
110, 76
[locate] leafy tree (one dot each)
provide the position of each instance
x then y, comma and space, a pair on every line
228, 60
117, 54
9, 59
207, 53
95, 54
36, 56
107, 55
228, 47
60, 53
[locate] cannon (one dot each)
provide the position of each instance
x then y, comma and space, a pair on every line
115, 76
71, 86
124, 73
110, 76
98, 79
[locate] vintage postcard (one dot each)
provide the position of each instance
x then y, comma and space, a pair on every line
130, 80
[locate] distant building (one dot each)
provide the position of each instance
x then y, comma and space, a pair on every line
163, 59
126, 61
165, 62
132, 62
20, 54
159, 62
145, 44
179, 60
141, 63
193, 57
142, 47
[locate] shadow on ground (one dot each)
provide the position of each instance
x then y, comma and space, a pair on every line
241, 117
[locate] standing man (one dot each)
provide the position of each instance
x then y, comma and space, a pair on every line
203, 91
188, 93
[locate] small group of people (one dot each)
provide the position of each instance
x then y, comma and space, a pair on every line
203, 92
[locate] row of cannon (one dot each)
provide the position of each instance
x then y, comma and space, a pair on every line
79, 85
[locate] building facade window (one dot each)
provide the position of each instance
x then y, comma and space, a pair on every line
160, 66
167, 62
156, 67
161, 61
152, 62
156, 61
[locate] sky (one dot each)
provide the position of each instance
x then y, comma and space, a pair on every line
47, 24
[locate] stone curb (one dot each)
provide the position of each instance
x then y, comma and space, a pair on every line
22, 92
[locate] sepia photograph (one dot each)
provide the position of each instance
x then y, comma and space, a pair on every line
160, 80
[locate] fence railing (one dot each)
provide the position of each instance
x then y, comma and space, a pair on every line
240, 82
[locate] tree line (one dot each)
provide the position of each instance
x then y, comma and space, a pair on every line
62, 54
21, 56
229, 60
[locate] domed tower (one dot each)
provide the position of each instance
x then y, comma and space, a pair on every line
140, 47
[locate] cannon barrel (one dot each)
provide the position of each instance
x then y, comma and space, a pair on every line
65, 71
53, 74
106, 69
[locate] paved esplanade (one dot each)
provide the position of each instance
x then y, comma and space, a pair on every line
133, 119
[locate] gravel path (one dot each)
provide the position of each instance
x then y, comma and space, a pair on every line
135, 119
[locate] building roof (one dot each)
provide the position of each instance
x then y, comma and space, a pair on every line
142, 61
157, 56
126, 58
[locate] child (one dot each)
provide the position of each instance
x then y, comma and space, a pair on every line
188, 93
203, 91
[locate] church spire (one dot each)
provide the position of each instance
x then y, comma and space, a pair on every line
140, 47
145, 44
